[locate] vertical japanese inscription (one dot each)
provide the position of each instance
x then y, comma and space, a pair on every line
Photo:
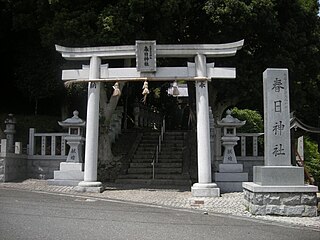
146, 56
276, 117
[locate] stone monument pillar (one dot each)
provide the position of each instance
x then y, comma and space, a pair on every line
205, 187
278, 188
230, 175
71, 171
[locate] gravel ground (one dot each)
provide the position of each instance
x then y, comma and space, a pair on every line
228, 203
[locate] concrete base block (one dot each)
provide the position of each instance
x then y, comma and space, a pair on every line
67, 166
68, 175
230, 186
231, 177
253, 187
293, 201
278, 175
95, 187
205, 190
230, 167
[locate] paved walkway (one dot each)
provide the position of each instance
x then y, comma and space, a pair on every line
228, 203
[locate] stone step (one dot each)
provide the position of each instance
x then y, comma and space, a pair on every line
143, 156
157, 182
143, 152
173, 155
146, 148
148, 144
150, 137
172, 144
171, 148
173, 138
171, 151
142, 160
160, 160
157, 165
157, 176
135, 176
157, 170
162, 155
149, 140
169, 160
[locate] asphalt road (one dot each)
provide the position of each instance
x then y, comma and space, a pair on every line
33, 215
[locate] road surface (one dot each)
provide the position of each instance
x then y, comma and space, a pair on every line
34, 215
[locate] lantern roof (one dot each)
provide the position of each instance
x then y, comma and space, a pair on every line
230, 121
74, 121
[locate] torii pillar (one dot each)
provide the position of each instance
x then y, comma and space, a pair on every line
90, 183
205, 187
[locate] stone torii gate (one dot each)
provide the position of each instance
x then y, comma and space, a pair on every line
146, 53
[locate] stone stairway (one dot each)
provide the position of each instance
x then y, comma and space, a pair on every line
168, 169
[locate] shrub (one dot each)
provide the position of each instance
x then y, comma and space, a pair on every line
312, 159
254, 121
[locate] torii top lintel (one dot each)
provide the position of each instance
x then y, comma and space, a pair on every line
172, 50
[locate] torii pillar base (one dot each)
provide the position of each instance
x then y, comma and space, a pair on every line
95, 187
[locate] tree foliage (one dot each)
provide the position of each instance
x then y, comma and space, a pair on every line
254, 121
277, 34
280, 34
312, 159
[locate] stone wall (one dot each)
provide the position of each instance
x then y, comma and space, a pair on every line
12, 167
15, 167
281, 203
43, 168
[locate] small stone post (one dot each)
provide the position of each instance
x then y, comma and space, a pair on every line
9, 132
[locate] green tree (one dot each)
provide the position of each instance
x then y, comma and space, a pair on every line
31, 68
254, 121
280, 34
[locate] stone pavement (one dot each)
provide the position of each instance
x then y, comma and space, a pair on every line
228, 203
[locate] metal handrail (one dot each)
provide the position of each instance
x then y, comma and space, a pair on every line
155, 158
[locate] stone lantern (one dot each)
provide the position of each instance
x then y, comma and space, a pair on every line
229, 139
230, 175
71, 171
75, 140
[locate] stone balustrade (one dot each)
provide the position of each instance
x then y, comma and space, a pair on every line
46, 144
147, 117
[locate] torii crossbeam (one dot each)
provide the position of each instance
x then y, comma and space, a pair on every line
146, 53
